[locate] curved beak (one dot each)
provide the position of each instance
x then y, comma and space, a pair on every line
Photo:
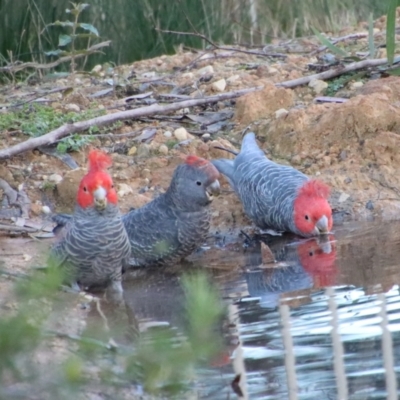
322, 225
100, 198
213, 190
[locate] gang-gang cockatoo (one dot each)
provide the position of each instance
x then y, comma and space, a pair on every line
93, 245
177, 222
275, 196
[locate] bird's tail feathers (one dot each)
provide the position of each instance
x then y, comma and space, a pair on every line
249, 144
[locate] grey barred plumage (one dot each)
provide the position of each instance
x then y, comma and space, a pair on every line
266, 189
94, 247
177, 222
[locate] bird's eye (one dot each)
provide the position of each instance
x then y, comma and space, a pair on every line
198, 183
310, 253
85, 189
306, 217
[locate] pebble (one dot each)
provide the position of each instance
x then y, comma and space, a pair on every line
208, 69
189, 75
167, 134
206, 136
97, 68
55, 178
318, 86
181, 134
132, 151
343, 197
232, 79
46, 210
124, 189
347, 180
343, 155
72, 107
146, 174
356, 85
282, 112
369, 205
163, 149
219, 86
143, 150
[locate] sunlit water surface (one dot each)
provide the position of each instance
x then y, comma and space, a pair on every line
323, 323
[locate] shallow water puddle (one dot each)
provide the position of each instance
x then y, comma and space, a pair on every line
324, 322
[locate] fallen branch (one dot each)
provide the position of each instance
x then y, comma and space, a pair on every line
19, 67
209, 41
69, 129
332, 73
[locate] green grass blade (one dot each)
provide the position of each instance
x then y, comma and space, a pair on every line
371, 43
390, 30
328, 44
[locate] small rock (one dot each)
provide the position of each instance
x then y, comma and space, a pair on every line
124, 189
232, 79
36, 209
46, 210
369, 205
146, 174
163, 149
189, 75
347, 180
282, 112
181, 134
167, 134
55, 178
206, 136
44, 177
132, 151
97, 68
208, 69
219, 86
148, 75
296, 160
318, 86
272, 71
27, 257
327, 160
343, 155
343, 197
356, 85
159, 62
72, 107
143, 150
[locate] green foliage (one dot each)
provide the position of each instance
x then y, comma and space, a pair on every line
71, 38
336, 84
163, 360
130, 24
329, 45
390, 29
36, 120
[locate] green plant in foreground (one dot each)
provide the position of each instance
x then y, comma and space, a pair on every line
163, 360
70, 39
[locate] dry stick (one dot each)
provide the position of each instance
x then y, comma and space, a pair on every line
20, 67
331, 73
69, 129
209, 41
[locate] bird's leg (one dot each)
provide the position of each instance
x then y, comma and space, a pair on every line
114, 292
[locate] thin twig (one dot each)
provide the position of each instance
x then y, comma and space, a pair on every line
209, 41
331, 73
69, 129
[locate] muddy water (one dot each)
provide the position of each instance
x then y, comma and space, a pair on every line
323, 322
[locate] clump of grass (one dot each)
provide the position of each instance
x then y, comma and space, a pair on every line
36, 120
